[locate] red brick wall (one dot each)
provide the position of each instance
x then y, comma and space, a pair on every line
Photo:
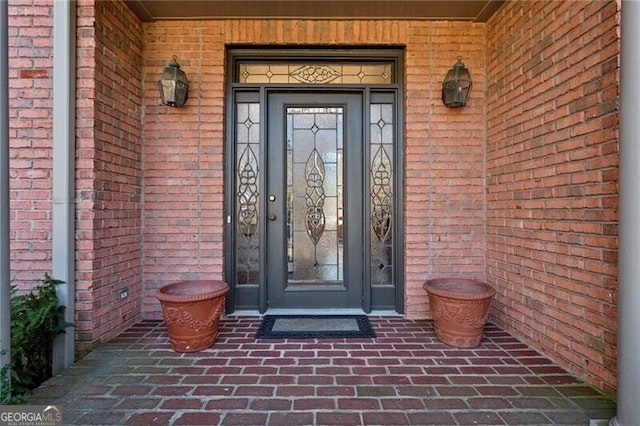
109, 149
30, 133
184, 148
552, 156
518, 188
109, 171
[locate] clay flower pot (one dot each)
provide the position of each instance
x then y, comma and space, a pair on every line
460, 308
192, 311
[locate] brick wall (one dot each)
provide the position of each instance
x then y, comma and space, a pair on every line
535, 148
108, 175
30, 133
109, 171
552, 156
184, 148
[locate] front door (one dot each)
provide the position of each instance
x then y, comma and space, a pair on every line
314, 194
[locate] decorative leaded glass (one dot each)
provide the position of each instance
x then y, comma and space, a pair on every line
329, 73
314, 195
247, 187
381, 151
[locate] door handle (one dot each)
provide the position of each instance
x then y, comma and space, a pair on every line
271, 217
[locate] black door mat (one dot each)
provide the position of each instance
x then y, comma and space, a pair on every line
315, 327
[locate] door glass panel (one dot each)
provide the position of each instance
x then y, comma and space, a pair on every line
314, 195
381, 186
247, 185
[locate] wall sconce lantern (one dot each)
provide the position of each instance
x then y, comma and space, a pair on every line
456, 86
173, 85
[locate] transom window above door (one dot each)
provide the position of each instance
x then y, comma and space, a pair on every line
315, 73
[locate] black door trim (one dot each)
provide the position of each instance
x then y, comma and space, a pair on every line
250, 298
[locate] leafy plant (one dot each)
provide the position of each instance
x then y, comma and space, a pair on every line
7, 397
36, 320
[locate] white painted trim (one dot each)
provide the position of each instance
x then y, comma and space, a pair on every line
5, 275
628, 409
63, 216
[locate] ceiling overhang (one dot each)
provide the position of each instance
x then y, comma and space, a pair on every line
458, 10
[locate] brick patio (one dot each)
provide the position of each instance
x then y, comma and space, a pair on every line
404, 376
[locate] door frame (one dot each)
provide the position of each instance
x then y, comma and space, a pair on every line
251, 298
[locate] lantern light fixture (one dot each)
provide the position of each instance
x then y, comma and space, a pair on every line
456, 86
173, 85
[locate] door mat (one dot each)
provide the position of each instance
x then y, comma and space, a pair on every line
315, 327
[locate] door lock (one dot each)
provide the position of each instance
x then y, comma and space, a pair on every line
271, 217
272, 198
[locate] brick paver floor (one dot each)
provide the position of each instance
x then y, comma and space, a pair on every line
404, 376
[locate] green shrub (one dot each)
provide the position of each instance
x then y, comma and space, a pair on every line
7, 397
36, 320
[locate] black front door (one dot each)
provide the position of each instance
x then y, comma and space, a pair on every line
314, 196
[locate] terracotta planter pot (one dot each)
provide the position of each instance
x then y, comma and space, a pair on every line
192, 311
460, 308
